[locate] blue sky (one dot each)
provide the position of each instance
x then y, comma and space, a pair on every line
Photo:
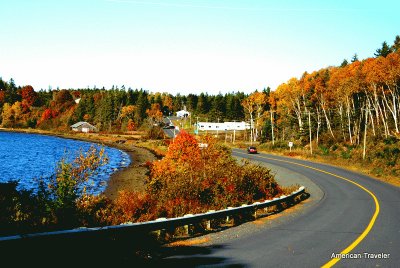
185, 46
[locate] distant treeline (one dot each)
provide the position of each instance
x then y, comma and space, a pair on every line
109, 109
335, 103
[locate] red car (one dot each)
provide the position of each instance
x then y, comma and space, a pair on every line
252, 150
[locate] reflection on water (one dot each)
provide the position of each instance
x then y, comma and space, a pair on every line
24, 157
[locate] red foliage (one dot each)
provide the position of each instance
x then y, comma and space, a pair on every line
131, 125
29, 96
2, 97
132, 206
47, 115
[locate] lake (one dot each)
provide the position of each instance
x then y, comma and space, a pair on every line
28, 157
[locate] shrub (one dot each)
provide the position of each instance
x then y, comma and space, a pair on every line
190, 180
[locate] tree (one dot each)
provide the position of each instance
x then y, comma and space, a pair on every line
12, 114
167, 104
142, 105
396, 44
344, 63
29, 96
383, 51
154, 113
354, 58
202, 104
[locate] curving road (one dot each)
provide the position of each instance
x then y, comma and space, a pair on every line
346, 213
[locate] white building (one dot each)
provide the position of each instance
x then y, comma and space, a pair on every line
83, 127
211, 126
182, 113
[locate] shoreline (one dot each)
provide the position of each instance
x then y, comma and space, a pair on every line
130, 178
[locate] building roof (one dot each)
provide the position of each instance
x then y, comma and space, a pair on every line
80, 124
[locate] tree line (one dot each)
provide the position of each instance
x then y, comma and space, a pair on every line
337, 103
115, 109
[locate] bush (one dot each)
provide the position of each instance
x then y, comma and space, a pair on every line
62, 203
190, 180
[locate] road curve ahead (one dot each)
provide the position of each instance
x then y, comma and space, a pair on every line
356, 216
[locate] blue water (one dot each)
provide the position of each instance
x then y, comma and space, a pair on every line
27, 157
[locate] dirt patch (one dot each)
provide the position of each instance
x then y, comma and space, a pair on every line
131, 178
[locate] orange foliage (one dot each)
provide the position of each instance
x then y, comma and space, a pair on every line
185, 148
131, 125
155, 112
190, 180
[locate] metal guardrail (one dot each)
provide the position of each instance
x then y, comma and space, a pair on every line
158, 224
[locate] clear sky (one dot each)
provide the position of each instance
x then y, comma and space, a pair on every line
185, 46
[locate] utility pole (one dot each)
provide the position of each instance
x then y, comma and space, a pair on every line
217, 126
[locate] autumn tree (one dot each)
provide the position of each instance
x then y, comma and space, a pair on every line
12, 115
29, 97
190, 179
154, 113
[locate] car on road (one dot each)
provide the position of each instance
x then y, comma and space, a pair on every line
251, 150
169, 127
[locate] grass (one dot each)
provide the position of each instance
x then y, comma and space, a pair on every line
371, 166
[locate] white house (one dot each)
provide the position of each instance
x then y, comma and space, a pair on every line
83, 127
182, 113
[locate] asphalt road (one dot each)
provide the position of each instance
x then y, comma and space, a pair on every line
349, 213
171, 133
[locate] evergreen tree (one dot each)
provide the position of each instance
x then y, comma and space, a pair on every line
355, 58
396, 45
383, 51
217, 108
202, 104
11, 94
191, 102
344, 63
142, 105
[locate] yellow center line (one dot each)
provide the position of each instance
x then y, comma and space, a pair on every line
371, 222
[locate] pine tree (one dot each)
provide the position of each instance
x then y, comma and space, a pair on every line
383, 51
396, 45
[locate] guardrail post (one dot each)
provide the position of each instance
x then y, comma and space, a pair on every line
160, 233
227, 217
208, 222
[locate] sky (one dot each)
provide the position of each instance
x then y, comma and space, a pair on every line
185, 46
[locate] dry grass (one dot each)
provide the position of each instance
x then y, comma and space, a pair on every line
191, 242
